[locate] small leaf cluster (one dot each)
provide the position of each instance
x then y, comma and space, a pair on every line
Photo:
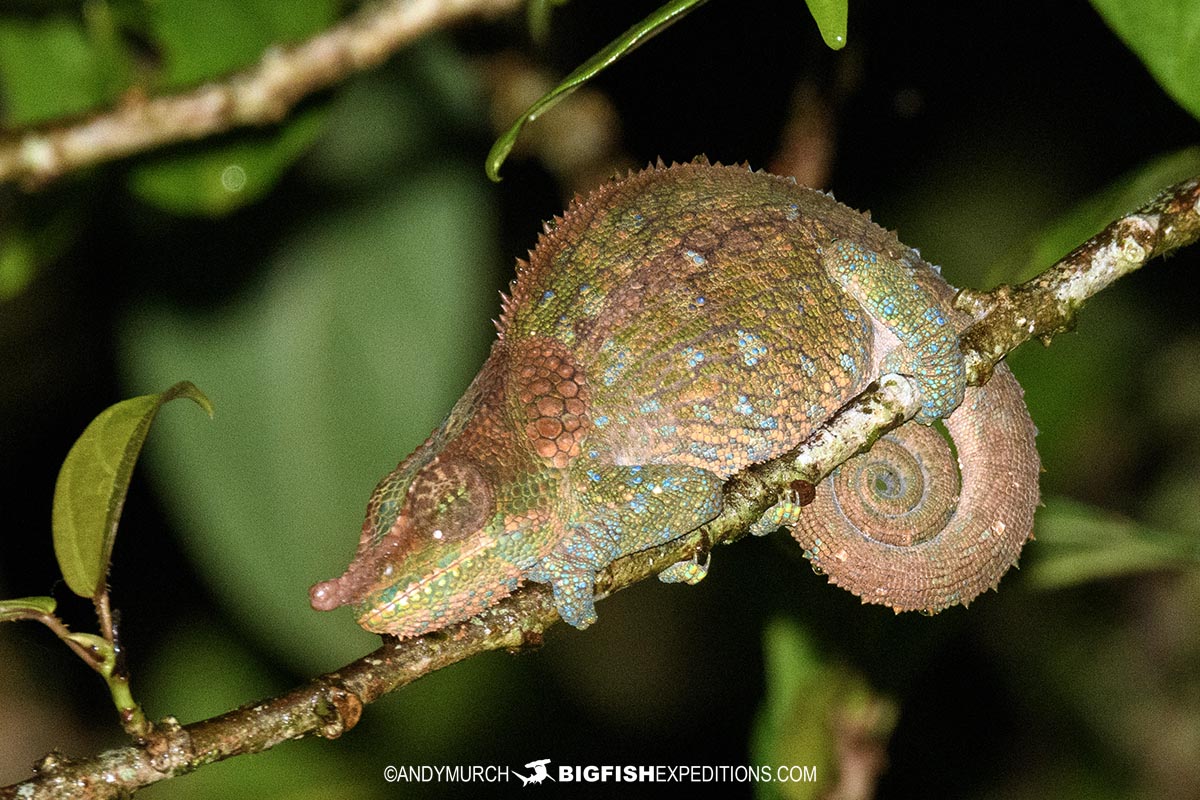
88, 499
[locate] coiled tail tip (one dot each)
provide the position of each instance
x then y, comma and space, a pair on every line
903, 526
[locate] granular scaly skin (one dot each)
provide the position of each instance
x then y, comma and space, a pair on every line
667, 331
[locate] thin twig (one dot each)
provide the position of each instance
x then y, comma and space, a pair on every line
260, 95
64, 633
331, 704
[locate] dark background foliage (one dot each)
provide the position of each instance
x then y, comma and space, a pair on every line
335, 306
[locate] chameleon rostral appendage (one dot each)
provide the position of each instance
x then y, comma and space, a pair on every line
669, 330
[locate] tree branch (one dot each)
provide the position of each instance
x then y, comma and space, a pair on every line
331, 704
260, 95
1046, 305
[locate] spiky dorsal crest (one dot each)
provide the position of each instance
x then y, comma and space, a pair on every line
563, 228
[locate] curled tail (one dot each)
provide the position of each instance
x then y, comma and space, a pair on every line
895, 527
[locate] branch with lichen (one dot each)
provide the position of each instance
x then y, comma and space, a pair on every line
262, 94
331, 704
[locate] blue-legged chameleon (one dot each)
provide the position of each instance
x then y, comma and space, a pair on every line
668, 330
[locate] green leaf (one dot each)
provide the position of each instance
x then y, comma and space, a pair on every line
1078, 544
808, 706
34, 234
216, 177
203, 42
368, 324
389, 123
103, 23
228, 174
18, 263
659, 20
49, 69
202, 671
105, 656
93, 481
26, 607
1165, 35
1116, 329
538, 15
830, 16
1089, 217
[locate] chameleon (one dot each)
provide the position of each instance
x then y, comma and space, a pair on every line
668, 330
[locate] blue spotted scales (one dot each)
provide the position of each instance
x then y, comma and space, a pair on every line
667, 331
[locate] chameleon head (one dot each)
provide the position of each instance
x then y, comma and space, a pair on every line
428, 553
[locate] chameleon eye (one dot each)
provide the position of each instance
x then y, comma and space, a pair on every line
449, 500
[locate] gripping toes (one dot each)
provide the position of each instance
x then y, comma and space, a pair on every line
897, 297
574, 588
691, 571
939, 371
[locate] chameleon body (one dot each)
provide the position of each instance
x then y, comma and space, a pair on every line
669, 330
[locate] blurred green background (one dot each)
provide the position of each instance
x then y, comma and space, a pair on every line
329, 284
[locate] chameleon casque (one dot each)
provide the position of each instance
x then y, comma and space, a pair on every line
668, 330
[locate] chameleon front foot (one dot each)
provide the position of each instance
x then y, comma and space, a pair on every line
574, 590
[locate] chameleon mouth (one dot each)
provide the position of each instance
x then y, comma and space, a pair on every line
450, 590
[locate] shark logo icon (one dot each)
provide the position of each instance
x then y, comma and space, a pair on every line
539, 773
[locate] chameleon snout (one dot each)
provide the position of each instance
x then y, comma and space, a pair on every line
324, 596
364, 573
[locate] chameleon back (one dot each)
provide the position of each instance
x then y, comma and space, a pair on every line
695, 302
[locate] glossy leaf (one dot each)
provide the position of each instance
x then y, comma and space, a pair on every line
662, 18
1165, 35
830, 16
1078, 544
26, 607
93, 481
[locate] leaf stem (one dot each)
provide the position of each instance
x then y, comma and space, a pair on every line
104, 614
89, 655
657, 21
